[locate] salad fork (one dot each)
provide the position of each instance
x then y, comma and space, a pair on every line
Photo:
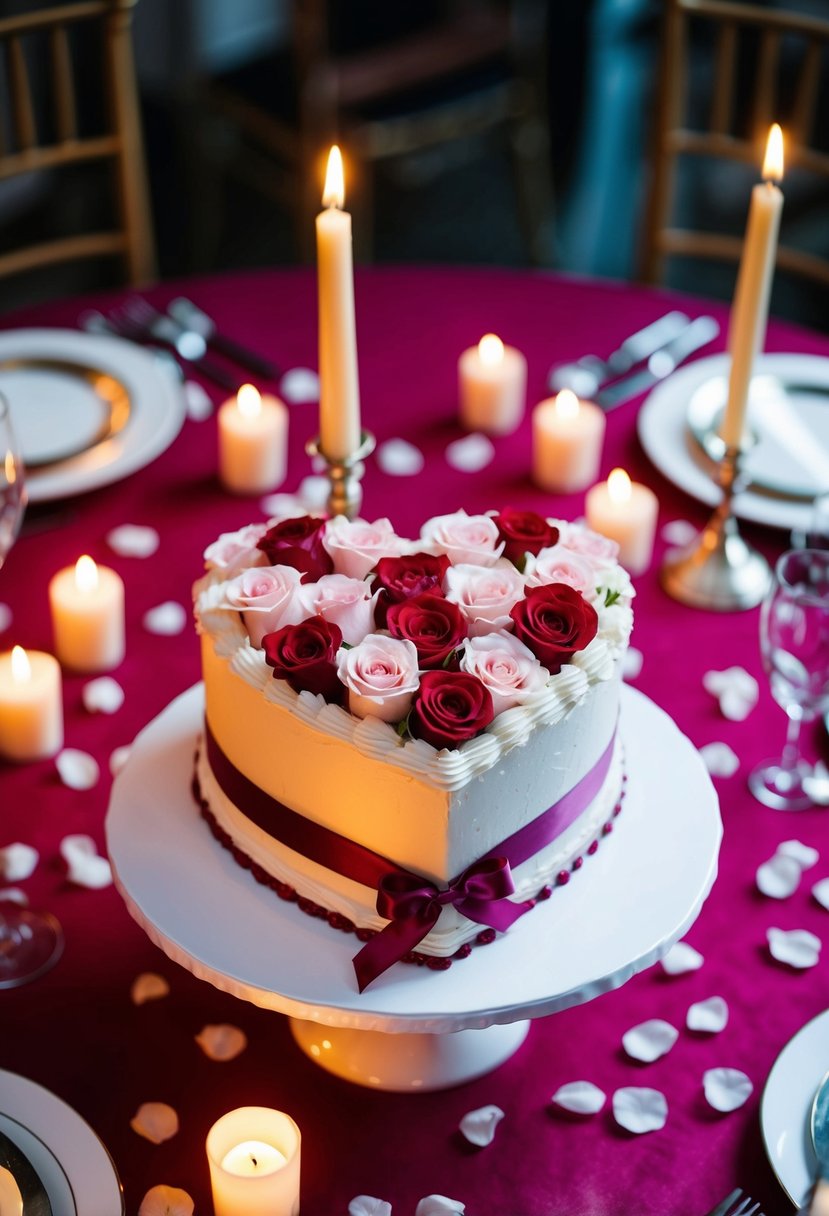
736, 1204
137, 319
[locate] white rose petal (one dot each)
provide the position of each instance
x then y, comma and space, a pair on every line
102, 696
798, 947
5, 617
222, 1042
148, 987
736, 690
18, 861
681, 958
580, 1097
779, 877
470, 454
399, 458
803, 854
719, 759
85, 867
155, 1121
439, 1205
14, 895
726, 1089
640, 1110
679, 532
650, 1040
197, 401
709, 1016
632, 663
119, 758
820, 892
166, 1201
77, 769
166, 619
313, 494
133, 540
366, 1205
300, 385
281, 506
478, 1126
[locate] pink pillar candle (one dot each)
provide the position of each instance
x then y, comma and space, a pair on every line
31, 705
253, 442
492, 386
567, 443
624, 511
87, 605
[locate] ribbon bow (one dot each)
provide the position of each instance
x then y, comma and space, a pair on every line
412, 907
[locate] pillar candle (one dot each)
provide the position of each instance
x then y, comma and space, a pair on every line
253, 442
492, 386
87, 603
567, 443
11, 1201
253, 1153
750, 310
626, 512
31, 705
339, 384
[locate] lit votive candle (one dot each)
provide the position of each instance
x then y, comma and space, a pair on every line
625, 511
31, 705
87, 604
11, 1201
253, 1153
567, 443
492, 386
253, 442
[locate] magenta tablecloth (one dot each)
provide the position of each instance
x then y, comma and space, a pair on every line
76, 1030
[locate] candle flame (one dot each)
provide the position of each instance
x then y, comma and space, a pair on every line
618, 486
567, 404
249, 401
333, 194
86, 574
10, 468
491, 350
773, 160
21, 667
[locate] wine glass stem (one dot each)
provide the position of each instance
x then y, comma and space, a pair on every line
790, 759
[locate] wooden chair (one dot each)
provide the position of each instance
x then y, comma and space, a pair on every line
40, 47
466, 69
774, 39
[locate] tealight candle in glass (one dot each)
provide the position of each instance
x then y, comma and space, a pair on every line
254, 1156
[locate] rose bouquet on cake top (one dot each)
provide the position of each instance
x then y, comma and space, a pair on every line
437, 636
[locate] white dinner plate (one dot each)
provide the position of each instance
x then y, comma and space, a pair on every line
72, 1162
87, 409
786, 1106
665, 434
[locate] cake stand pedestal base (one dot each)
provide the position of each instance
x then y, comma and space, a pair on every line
402, 1063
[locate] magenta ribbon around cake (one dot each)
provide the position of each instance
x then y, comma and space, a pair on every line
410, 903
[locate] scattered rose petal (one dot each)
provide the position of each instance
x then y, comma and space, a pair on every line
166, 1201
736, 690
726, 1089
300, 384
155, 1121
439, 1205
719, 759
650, 1040
281, 506
580, 1097
779, 877
640, 1110
679, 532
103, 696
166, 619
710, 1016
478, 1126
133, 540
470, 454
77, 769
222, 1041
681, 958
197, 402
119, 758
5, 617
820, 892
798, 947
85, 867
365, 1205
313, 494
18, 861
14, 895
319, 464
803, 854
148, 987
399, 458
632, 663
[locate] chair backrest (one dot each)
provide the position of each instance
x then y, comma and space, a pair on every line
732, 131
40, 48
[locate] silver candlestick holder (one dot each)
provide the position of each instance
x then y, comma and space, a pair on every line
346, 494
719, 571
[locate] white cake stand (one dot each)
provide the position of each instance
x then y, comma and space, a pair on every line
620, 913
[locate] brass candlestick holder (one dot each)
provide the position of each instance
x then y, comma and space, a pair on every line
719, 571
346, 494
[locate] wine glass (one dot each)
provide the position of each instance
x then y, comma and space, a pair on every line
794, 640
815, 533
30, 942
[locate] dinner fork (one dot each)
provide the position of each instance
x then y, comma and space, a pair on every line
736, 1204
137, 319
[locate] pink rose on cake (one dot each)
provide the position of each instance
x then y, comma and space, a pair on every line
267, 598
434, 624
355, 546
465, 539
524, 532
554, 622
234, 551
505, 667
561, 565
298, 543
449, 708
579, 539
305, 656
381, 675
485, 595
402, 578
346, 602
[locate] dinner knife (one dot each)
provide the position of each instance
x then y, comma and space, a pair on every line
192, 318
590, 372
661, 363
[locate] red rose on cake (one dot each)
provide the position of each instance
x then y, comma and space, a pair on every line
554, 621
305, 656
450, 707
524, 532
298, 543
401, 578
434, 624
